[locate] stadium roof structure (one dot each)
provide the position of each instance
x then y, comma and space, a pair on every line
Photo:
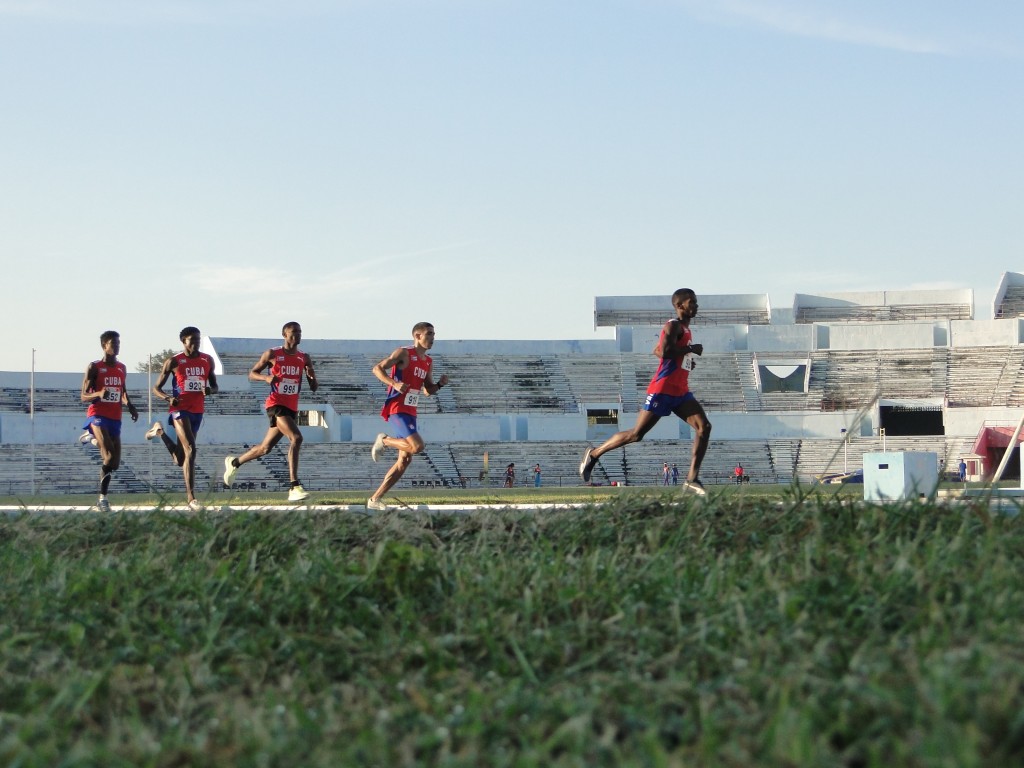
715, 309
884, 306
808, 308
1009, 298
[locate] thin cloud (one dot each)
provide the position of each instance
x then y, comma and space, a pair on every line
357, 278
812, 23
239, 280
134, 12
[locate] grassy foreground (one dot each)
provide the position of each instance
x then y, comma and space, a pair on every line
646, 630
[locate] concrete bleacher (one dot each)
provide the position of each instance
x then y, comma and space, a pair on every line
894, 313
901, 351
1012, 304
981, 376
642, 463
507, 384
849, 379
821, 456
559, 461
593, 378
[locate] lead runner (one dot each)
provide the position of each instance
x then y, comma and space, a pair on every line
668, 393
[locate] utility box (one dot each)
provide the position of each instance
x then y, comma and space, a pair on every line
900, 475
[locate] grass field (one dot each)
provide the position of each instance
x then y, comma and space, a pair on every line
759, 627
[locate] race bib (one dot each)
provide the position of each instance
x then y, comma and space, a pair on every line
412, 398
111, 395
288, 387
195, 385
687, 364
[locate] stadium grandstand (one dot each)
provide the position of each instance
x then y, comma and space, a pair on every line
793, 392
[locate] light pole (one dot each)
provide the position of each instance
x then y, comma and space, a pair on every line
846, 444
32, 420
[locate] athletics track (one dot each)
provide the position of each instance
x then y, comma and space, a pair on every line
450, 509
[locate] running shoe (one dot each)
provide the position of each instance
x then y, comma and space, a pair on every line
297, 493
155, 431
87, 438
103, 505
587, 466
195, 505
695, 486
378, 447
377, 505
230, 470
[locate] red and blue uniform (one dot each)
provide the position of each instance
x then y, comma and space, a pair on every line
112, 379
414, 374
287, 369
191, 377
672, 376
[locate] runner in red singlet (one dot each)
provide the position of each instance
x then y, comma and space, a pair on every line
406, 373
192, 379
104, 388
668, 393
282, 368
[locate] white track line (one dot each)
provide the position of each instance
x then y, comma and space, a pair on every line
229, 508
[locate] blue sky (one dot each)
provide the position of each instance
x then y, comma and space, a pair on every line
490, 165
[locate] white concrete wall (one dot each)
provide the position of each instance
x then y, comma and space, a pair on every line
785, 338
985, 333
966, 422
881, 335
569, 427
739, 426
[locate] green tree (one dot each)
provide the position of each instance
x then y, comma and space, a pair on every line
155, 362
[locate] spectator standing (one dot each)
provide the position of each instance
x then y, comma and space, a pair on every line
536, 475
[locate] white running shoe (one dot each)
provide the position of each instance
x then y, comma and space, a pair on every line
587, 466
695, 486
195, 505
155, 431
103, 505
230, 470
297, 493
87, 438
377, 505
378, 447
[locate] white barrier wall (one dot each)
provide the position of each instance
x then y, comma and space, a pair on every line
882, 336
783, 338
748, 426
984, 333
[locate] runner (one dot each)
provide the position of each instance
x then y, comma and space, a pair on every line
193, 379
406, 373
668, 393
104, 389
282, 368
